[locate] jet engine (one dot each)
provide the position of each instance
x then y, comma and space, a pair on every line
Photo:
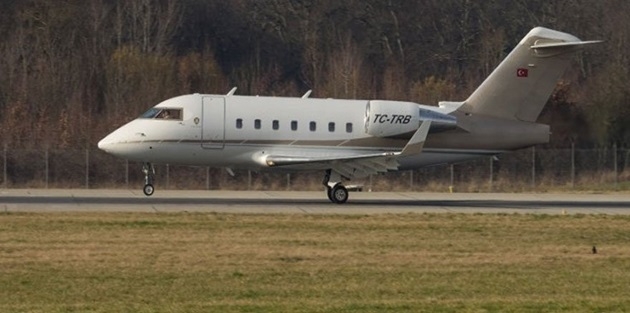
395, 118
391, 118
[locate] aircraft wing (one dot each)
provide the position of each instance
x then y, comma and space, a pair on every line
356, 166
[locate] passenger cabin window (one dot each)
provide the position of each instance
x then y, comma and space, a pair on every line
257, 124
163, 114
348, 127
275, 124
239, 123
312, 126
294, 125
331, 127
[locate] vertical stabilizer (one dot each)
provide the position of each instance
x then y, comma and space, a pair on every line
520, 86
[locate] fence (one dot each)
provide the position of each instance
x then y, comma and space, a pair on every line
533, 169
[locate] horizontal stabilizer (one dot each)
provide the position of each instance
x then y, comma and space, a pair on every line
565, 44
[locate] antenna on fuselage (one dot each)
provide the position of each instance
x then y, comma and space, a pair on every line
231, 93
307, 94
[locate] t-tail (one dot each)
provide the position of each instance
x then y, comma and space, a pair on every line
520, 86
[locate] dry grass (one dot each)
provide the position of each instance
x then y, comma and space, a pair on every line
115, 262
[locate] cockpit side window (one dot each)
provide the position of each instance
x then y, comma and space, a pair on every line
163, 114
151, 113
170, 114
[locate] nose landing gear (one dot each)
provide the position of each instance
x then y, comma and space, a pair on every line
149, 174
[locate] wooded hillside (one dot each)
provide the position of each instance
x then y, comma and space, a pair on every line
73, 70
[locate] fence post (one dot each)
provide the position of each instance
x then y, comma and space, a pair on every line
615, 164
572, 165
249, 180
87, 168
491, 171
625, 159
410, 180
207, 178
5, 167
46, 167
288, 181
533, 168
168, 177
451, 186
127, 174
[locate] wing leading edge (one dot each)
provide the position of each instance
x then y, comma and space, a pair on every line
357, 166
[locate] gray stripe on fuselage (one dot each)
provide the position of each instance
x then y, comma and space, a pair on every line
312, 144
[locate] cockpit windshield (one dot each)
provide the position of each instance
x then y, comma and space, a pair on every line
163, 114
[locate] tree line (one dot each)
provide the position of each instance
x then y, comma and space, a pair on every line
73, 70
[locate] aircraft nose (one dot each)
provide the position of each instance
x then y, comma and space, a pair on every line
105, 143
101, 144
112, 142
120, 144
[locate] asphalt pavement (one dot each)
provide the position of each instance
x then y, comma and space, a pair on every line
276, 202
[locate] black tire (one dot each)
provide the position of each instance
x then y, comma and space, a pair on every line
329, 194
339, 194
148, 190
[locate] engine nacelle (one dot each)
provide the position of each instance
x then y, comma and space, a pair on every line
391, 118
394, 118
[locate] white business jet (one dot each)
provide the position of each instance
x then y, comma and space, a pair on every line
350, 139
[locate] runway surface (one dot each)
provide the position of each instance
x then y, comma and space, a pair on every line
273, 202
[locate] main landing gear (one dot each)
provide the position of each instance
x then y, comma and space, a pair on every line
149, 174
335, 190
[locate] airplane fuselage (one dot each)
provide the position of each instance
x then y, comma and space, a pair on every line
239, 131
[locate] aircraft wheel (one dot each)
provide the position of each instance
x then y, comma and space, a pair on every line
329, 194
148, 189
339, 194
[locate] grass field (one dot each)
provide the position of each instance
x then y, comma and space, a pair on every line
124, 262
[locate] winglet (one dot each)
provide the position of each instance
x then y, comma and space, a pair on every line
307, 94
416, 143
231, 93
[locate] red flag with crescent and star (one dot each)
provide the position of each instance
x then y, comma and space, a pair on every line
522, 72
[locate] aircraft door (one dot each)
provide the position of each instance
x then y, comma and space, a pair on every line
213, 123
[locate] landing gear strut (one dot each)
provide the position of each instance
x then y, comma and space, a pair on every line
335, 190
149, 174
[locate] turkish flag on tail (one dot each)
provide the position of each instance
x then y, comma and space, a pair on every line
522, 72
